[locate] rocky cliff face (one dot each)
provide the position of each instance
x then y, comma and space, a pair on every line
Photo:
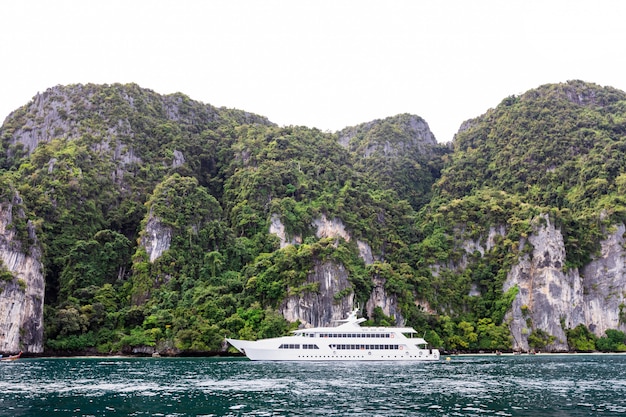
111, 116
156, 239
60, 112
380, 298
278, 228
22, 296
322, 306
552, 299
604, 285
412, 132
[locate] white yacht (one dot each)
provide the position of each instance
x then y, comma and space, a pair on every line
346, 342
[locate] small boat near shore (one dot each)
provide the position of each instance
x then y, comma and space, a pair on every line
11, 357
346, 342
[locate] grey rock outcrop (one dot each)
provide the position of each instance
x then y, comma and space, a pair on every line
413, 133
22, 297
553, 299
547, 295
156, 239
380, 298
330, 228
48, 113
278, 228
604, 285
320, 308
470, 245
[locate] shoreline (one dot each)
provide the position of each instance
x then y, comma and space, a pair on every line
45, 355
91, 355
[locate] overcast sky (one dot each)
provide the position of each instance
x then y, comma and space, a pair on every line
318, 63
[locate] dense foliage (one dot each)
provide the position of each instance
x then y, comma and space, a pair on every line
400, 153
556, 151
117, 165
558, 146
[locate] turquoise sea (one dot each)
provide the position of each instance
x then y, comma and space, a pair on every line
540, 385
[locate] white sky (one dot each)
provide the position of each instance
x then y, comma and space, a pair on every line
325, 64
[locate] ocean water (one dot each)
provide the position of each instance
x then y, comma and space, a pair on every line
540, 385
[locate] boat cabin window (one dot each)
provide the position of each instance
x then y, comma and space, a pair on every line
297, 346
365, 347
289, 346
357, 335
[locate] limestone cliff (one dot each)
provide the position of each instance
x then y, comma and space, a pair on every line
61, 111
122, 141
112, 119
392, 136
320, 308
278, 228
380, 298
333, 298
553, 299
399, 152
22, 286
547, 295
330, 228
604, 285
156, 238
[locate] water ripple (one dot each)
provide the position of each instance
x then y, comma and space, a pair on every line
547, 385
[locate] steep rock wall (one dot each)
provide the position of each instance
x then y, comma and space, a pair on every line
380, 298
604, 285
550, 298
21, 299
50, 110
320, 308
60, 111
547, 295
324, 228
471, 246
156, 239
278, 228
330, 228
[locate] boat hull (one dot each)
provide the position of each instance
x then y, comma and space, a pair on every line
10, 358
262, 351
346, 342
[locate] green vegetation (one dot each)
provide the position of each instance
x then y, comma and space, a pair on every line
614, 341
581, 339
122, 168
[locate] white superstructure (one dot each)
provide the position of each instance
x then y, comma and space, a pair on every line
346, 342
